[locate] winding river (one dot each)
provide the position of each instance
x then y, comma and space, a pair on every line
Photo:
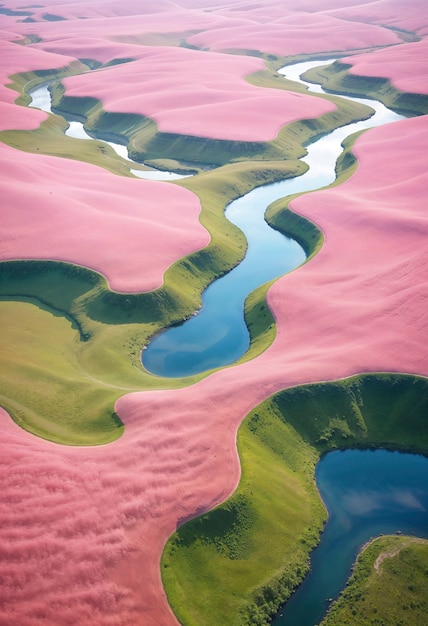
218, 335
366, 492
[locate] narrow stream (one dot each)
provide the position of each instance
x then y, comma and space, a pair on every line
41, 99
218, 335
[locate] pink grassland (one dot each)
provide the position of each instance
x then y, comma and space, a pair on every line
400, 68
197, 93
83, 528
128, 229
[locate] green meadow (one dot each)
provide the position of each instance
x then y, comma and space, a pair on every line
71, 347
388, 586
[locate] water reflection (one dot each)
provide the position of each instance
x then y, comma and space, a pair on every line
367, 493
194, 347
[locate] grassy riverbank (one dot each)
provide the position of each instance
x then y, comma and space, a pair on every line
388, 585
100, 326
146, 143
236, 564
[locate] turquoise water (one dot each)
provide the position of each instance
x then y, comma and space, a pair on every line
367, 493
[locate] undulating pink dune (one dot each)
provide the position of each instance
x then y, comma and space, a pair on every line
205, 94
289, 36
83, 528
405, 66
394, 14
130, 230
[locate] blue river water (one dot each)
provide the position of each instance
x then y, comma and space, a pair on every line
367, 493
217, 336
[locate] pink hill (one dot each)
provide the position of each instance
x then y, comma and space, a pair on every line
296, 34
393, 14
205, 94
405, 66
15, 58
127, 229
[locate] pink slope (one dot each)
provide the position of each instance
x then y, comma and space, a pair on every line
296, 34
405, 66
14, 59
411, 16
205, 94
129, 230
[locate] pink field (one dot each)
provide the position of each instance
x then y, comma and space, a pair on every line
83, 528
206, 95
396, 64
127, 229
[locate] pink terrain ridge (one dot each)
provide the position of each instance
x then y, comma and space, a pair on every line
83, 528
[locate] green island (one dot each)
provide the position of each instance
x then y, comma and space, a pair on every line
389, 567
66, 328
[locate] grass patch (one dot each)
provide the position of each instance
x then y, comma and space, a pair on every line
388, 586
279, 444
42, 383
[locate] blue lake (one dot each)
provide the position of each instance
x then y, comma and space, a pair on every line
367, 493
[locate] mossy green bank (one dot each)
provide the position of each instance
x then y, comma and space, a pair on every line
237, 564
388, 586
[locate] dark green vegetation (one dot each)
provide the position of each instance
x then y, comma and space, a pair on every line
236, 564
336, 78
388, 586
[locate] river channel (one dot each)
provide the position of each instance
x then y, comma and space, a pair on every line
218, 335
